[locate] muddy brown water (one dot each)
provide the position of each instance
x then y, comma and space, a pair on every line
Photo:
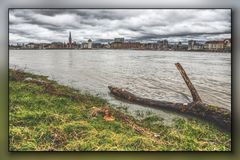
149, 74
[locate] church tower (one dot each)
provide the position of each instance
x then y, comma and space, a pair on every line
70, 40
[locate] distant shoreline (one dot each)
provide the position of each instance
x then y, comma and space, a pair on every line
125, 49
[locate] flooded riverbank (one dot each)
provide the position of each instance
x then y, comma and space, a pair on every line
149, 74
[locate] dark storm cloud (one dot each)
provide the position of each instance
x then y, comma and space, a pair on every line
47, 25
98, 14
156, 36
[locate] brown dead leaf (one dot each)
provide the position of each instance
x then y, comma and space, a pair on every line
108, 118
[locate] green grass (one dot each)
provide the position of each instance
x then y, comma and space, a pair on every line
47, 116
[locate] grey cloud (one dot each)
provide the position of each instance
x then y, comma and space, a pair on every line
105, 24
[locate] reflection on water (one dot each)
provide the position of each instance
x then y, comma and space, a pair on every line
150, 74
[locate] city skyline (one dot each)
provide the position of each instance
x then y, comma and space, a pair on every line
103, 25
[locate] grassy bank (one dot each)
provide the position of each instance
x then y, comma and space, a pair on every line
46, 116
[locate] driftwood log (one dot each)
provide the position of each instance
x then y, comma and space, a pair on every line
218, 116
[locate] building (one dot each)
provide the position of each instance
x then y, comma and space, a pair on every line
214, 45
131, 45
120, 40
30, 45
42, 45
165, 44
159, 45
116, 45
205, 46
56, 45
97, 45
194, 45
198, 46
191, 44
64, 45
162, 45
180, 46
227, 44
220, 45
150, 46
89, 44
84, 45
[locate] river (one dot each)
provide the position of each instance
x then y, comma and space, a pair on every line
149, 74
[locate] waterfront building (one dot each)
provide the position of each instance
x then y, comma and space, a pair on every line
89, 44
42, 45
97, 45
30, 45
179, 45
227, 44
205, 46
165, 44
194, 45
120, 40
84, 45
116, 45
215, 45
64, 45
131, 45
141, 46
79, 45
74, 45
220, 45
159, 45
197, 46
191, 44
151, 46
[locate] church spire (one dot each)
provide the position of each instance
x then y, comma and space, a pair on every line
70, 39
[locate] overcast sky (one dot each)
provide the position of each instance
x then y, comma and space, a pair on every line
102, 25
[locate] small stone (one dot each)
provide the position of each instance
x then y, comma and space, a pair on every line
156, 135
28, 79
